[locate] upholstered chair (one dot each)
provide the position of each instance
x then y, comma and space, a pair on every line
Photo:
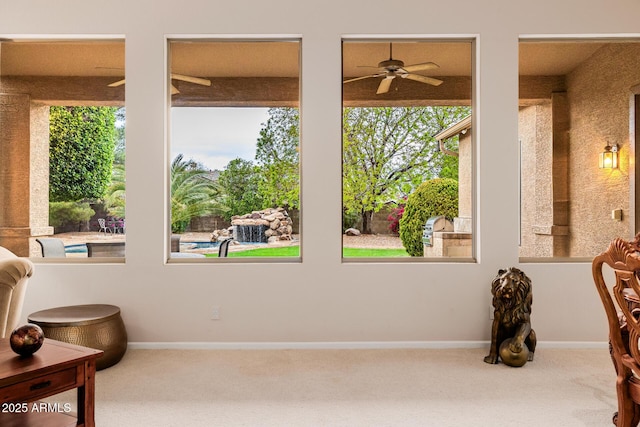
14, 274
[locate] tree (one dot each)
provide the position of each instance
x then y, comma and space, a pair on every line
388, 152
114, 199
240, 181
193, 193
70, 213
278, 159
81, 152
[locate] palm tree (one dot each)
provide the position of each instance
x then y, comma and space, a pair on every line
114, 199
194, 193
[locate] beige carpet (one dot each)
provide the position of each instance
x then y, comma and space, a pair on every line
354, 388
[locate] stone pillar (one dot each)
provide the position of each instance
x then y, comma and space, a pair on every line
560, 174
463, 223
39, 176
18, 183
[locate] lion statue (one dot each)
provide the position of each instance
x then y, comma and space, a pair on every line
512, 299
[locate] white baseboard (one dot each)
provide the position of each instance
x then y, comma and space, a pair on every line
355, 345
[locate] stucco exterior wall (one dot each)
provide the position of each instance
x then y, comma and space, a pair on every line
599, 94
536, 202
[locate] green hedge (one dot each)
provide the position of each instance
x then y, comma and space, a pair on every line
432, 198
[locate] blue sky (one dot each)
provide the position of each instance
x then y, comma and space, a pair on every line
215, 136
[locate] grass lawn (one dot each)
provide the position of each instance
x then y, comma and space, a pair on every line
294, 251
282, 251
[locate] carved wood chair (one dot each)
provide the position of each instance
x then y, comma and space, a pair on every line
619, 294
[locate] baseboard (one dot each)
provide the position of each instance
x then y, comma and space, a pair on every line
355, 345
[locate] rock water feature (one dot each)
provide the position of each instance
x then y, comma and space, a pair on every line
250, 233
263, 226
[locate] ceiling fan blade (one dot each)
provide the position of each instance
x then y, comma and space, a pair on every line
360, 78
423, 79
116, 84
421, 67
385, 84
190, 79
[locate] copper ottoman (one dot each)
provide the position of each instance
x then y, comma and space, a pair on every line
95, 325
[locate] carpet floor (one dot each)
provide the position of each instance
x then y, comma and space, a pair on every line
412, 387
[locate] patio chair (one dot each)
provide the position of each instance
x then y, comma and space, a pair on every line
105, 249
51, 247
103, 226
223, 249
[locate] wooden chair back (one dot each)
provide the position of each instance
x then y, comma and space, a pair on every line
619, 295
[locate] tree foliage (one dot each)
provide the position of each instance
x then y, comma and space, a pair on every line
194, 193
432, 198
67, 213
389, 151
114, 199
81, 151
240, 181
278, 159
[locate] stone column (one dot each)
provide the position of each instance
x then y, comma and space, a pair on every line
18, 183
464, 223
560, 175
39, 176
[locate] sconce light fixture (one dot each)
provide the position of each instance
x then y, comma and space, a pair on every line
609, 157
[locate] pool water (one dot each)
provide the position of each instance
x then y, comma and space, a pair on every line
76, 249
198, 245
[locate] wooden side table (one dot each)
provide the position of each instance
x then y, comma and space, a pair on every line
55, 368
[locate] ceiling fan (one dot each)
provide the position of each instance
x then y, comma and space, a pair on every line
392, 68
174, 76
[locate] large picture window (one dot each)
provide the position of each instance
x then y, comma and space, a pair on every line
235, 147
576, 100
62, 120
407, 149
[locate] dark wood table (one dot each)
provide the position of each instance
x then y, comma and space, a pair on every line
54, 368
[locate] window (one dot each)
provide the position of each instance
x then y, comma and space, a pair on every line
62, 127
235, 143
407, 149
575, 100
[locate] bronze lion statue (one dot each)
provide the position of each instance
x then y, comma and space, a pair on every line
512, 299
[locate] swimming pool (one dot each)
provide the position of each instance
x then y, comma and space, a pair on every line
198, 245
80, 248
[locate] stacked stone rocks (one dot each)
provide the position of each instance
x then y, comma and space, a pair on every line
276, 219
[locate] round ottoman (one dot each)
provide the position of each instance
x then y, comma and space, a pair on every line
95, 325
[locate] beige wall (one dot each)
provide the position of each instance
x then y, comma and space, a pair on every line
321, 299
599, 94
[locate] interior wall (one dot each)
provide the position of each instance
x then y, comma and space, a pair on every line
321, 299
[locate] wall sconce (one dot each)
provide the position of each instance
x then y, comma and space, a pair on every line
609, 157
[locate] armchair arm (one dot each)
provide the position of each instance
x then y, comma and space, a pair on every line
14, 273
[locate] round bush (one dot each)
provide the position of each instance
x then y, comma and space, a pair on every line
432, 198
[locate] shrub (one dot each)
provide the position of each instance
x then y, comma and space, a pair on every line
63, 214
434, 197
394, 219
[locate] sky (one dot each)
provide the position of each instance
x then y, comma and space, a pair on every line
215, 136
